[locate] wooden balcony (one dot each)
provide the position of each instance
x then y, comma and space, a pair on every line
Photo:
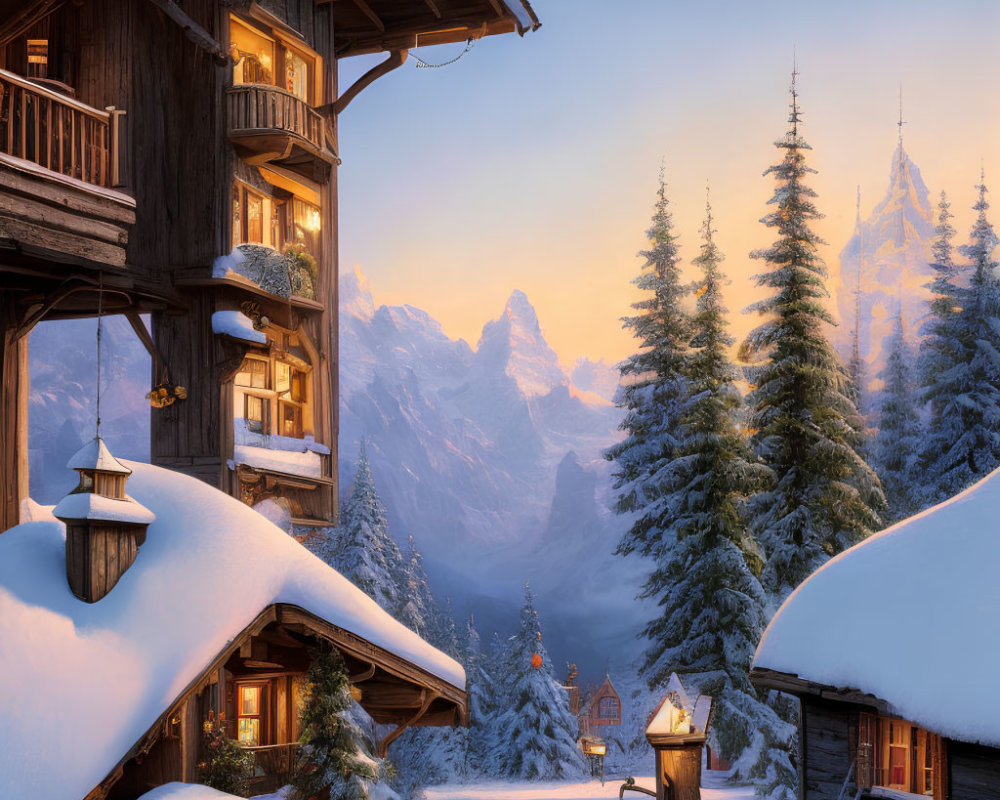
58, 170
274, 765
268, 124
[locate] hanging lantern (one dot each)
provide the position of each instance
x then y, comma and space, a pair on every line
536, 661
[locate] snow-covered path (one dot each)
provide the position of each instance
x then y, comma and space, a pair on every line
713, 787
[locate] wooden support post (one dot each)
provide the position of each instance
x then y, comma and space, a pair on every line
13, 415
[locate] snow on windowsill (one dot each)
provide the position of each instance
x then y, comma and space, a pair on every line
306, 465
244, 436
238, 325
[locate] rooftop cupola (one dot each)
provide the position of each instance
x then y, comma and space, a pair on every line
104, 526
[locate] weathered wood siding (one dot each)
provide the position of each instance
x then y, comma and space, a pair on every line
825, 752
13, 413
97, 556
186, 435
975, 771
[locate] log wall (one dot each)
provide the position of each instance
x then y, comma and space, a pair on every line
824, 751
975, 771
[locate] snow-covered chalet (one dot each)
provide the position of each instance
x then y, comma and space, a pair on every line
893, 649
211, 620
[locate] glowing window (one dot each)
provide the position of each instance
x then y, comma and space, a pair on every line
252, 53
249, 715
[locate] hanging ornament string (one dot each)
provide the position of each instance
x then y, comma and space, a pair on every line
421, 64
100, 309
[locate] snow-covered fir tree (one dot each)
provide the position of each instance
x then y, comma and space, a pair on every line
419, 611
479, 685
806, 429
365, 553
897, 443
711, 604
652, 382
961, 362
536, 733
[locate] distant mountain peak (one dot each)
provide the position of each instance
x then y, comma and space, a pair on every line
356, 294
513, 344
884, 267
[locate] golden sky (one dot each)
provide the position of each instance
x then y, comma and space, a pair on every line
531, 163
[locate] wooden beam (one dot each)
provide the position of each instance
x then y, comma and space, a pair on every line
367, 11
433, 7
193, 31
793, 684
395, 60
361, 677
383, 746
497, 7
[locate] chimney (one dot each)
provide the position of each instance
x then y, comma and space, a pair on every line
104, 526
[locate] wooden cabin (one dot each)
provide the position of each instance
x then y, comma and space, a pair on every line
180, 160
106, 700
891, 649
604, 707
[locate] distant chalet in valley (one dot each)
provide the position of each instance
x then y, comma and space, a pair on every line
180, 160
892, 649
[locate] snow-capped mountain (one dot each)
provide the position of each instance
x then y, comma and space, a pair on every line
885, 265
469, 452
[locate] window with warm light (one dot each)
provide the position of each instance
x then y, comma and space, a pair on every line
273, 395
263, 54
898, 755
250, 713
252, 52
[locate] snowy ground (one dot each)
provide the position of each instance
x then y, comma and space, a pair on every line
713, 787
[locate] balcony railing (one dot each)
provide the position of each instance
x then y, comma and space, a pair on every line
274, 764
58, 132
258, 107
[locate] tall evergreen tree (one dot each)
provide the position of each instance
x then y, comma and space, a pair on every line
536, 732
418, 610
711, 604
897, 442
365, 553
653, 384
961, 362
479, 685
806, 429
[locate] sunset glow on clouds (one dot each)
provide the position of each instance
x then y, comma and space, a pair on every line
531, 163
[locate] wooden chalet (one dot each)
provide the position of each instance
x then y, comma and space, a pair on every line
604, 707
183, 640
181, 160
891, 649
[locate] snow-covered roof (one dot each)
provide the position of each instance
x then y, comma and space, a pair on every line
84, 505
910, 616
238, 325
83, 682
95, 455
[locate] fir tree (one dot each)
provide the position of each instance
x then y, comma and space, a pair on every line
366, 554
705, 580
897, 442
418, 612
961, 362
806, 429
336, 753
479, 685
653, 384
536, 734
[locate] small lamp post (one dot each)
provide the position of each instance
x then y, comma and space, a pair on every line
595, 750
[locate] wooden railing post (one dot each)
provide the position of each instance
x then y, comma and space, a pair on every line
114, 146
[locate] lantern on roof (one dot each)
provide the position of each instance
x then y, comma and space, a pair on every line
104, 526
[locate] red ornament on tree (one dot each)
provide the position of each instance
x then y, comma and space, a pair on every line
536, 661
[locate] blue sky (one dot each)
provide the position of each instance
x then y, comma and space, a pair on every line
531, 162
